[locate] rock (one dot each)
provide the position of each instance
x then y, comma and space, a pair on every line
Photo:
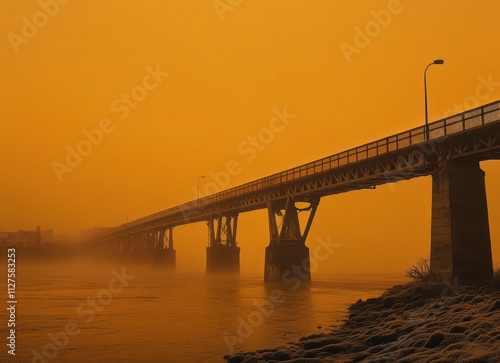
331, 349
381, 339
398, 306
458, 329
360, 357
238, 358
388, 302
393, 328
468, 298
313, 344
495, 306
483, 326
434, 340
281, 355
451, 300
477, 299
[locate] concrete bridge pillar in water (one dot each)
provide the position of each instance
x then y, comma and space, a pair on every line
223, 254
287, 254
154, 247
460, 238
164, 255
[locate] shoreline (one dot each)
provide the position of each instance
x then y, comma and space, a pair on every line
414, 322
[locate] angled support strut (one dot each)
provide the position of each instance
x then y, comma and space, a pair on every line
287, 252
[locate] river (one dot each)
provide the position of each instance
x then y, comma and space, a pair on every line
89, 312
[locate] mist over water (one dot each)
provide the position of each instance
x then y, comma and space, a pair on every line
87, 311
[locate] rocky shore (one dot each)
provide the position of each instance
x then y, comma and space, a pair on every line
414, 322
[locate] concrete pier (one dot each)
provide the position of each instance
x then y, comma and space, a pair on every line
460, 238
223, 259
164, 259
285, 260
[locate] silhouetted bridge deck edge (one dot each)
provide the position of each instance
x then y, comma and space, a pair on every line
468, 137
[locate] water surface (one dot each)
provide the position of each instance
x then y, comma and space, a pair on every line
165, 317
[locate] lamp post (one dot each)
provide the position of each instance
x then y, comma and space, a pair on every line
198, 188
437, 61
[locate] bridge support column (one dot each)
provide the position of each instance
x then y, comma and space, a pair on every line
287, 255
124, 246
286, 260
223, 255
163, 252
460, 238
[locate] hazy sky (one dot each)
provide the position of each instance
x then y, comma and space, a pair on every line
113, 109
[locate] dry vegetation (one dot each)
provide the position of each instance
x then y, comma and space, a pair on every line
420, 271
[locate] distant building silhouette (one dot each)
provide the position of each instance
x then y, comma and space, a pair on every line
30, 238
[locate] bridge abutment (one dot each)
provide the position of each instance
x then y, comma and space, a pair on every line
460, 237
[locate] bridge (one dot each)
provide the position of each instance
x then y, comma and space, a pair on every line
449, 150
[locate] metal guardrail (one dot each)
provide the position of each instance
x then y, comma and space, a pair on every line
473, 118
476, 117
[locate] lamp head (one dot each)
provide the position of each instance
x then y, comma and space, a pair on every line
438, 61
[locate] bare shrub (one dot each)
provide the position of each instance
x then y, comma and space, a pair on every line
420, 271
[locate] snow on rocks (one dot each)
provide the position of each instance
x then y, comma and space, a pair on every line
409, 323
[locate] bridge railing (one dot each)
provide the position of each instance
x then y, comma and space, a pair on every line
469, 119
476, 117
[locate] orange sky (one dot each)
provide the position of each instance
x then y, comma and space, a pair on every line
204, 76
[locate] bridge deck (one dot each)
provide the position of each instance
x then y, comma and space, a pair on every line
401, 156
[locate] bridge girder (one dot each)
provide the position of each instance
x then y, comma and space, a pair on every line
222, 230
472, 134
287, 212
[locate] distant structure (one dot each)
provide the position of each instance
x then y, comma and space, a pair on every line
31, 238
91, 233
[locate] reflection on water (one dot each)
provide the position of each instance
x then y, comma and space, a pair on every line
78, 313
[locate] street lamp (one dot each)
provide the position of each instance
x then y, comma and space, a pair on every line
198, 188
437, 61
